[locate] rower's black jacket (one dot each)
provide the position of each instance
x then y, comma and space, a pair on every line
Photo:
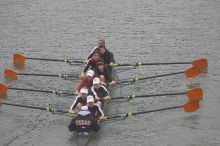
91, 64
96, 109
108, 57
78, 99
83, 124
106, 73
100, 92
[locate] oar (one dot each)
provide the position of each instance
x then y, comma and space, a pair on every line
200, 63
191, 72
188, 107
14, 75
4, 89
20, 59
50, 108
194, 94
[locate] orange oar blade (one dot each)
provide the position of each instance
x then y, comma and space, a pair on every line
10, 74
195, 94
192, 72
3, 89
18, 58
191, 106
200, 63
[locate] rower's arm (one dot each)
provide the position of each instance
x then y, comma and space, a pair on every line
100, 112
73, 106
81, 84
91, 53
87, 67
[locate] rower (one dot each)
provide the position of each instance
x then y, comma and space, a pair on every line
91, 64
104, 74
99, 91
94, 108
100, 43
86, 82
80, 100
106, 55
84, 122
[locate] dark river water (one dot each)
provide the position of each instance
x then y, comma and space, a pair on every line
140, 30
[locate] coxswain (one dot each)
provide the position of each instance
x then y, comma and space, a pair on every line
80, 100
99, 91
86, 81
94, 108
104, 73
91, 64
84, 122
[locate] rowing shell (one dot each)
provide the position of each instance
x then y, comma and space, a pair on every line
84, 138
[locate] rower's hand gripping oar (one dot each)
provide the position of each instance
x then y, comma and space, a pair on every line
50, 108
200, 63
189, 73
11, 74
20, 59
194, 94
188, 107
4, 89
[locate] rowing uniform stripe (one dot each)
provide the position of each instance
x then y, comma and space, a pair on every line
105, 89
78, 99
100, 92
100, 110
91, 53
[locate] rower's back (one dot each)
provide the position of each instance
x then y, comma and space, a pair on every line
82, 124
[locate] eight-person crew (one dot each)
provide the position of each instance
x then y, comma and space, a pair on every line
99, 60
84, 122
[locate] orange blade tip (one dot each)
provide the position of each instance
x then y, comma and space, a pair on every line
192, 72
195, 94
3, 89
191, 106
200, 63
18, 58
10, 74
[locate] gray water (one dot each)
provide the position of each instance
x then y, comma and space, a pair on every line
148, 31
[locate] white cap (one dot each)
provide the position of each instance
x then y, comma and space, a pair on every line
84, 111
90, 73
96, 81
90, 98
84, 90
